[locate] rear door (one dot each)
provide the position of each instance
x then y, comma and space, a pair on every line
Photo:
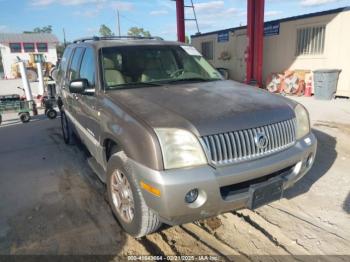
62, 72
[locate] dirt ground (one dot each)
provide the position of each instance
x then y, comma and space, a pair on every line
52, 203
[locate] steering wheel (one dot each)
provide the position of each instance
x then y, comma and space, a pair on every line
177, 73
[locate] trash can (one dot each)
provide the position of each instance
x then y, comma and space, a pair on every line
325, 83
223, 72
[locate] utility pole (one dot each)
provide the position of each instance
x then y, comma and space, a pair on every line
64, 38
118, 22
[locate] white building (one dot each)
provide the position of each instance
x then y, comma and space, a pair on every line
14, 46
306, 42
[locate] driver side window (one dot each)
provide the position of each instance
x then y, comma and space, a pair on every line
87, 69
74, 67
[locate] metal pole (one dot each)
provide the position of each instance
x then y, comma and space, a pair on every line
195, 17
41, 79
180, 18
118, 22
250, 41
255, 37
26, 86
260, 41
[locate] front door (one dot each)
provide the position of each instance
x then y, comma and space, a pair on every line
86, 112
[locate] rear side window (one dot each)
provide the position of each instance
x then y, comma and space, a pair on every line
75, 64
64, 63
87, 69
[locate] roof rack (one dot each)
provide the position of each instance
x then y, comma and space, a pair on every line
98, 38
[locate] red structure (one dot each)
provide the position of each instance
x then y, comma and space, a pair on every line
255, 35
255, 48
180, 18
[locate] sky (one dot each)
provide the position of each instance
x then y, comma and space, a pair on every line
80, 18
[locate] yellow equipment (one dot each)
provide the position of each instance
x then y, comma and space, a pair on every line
31, 67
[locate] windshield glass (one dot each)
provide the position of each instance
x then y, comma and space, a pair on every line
140, 66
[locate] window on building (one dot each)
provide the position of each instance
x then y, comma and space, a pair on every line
87, 69
311, 40
42, 47
207, 50
28, 47
15, 47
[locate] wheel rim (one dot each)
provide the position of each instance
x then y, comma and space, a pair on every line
122, 196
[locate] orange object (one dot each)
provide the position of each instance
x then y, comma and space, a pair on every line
308, 88
150, 189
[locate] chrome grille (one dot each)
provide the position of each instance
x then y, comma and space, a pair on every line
241, 145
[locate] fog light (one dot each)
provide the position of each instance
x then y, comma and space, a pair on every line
191, 196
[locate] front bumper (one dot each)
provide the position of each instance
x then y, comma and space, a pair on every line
213, 183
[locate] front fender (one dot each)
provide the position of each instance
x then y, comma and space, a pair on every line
137, 139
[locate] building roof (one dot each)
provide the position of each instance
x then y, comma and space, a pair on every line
292, 18
31, 37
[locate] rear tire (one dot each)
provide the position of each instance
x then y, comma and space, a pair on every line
24, 117
67, 131
144, 220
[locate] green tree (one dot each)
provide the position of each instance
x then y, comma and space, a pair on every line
139, 32
187, 40
105, 31
45, 29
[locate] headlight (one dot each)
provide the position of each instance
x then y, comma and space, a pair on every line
180, 148
303, 123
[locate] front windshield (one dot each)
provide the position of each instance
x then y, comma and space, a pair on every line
139, 66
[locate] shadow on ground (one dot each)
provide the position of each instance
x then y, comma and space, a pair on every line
325, 156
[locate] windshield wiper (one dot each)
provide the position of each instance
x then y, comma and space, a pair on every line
199, 79
136, 84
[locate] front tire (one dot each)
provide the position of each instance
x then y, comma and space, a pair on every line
126, 200
24, 117
67, 131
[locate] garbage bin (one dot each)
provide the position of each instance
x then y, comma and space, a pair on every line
325, 83
223, 72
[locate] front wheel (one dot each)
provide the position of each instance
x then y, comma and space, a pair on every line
67, 131
126, 200
24, 117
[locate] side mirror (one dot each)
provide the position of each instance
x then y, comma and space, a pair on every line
78, 86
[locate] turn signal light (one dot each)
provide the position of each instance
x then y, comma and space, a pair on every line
150, 189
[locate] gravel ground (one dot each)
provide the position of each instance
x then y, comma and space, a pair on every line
52, 203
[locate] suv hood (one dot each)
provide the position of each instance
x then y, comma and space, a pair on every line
205, 108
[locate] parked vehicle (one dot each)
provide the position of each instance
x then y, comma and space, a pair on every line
171, 139
14, 103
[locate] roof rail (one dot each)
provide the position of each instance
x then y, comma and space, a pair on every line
98, 38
